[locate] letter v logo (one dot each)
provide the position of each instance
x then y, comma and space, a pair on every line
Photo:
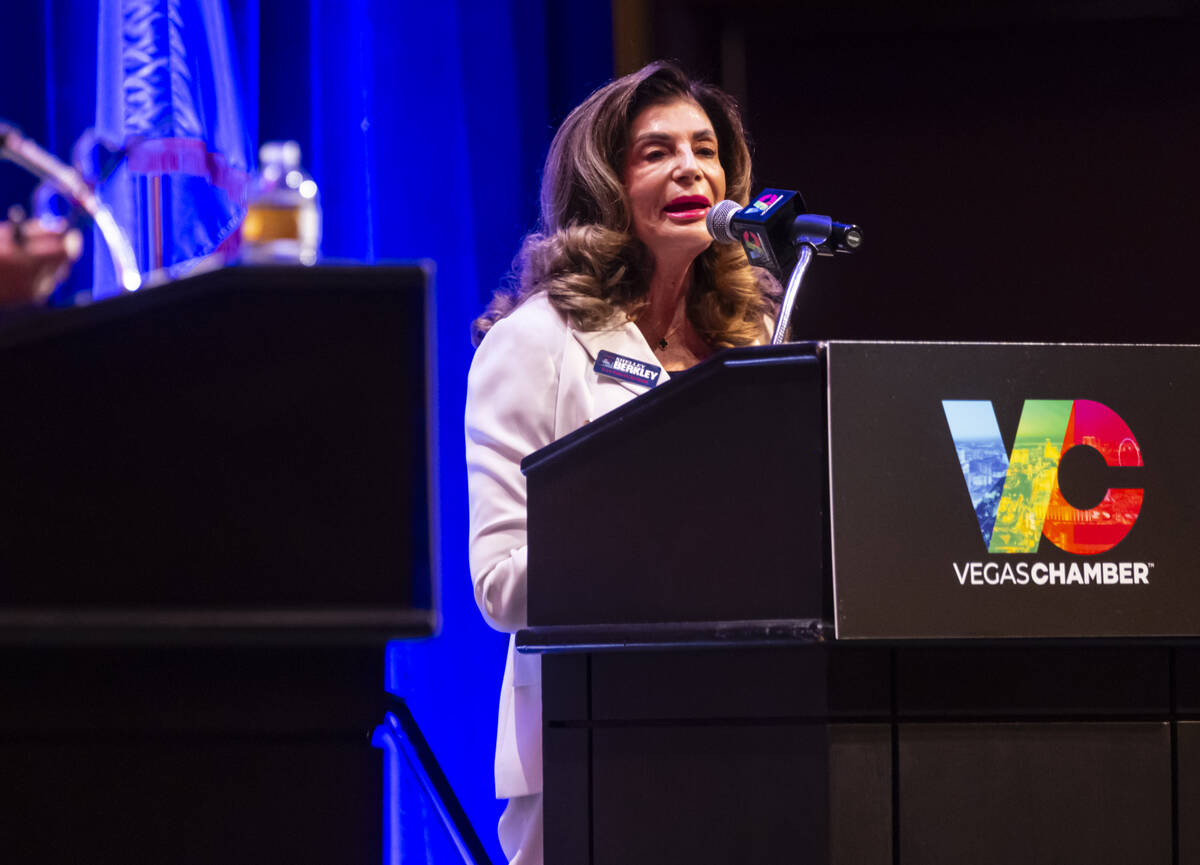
1011, 522
1011, 493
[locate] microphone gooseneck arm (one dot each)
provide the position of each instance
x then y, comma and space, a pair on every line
20, 150
809, 233
784, 322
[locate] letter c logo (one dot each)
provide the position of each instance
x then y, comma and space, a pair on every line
1098, 529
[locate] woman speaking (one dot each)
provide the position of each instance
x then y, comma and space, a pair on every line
621, 263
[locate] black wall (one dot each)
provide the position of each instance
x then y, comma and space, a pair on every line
1021, 173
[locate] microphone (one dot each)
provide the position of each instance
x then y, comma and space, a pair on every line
15, 147
772, 226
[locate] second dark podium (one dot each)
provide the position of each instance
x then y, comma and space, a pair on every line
215, 515
707, 696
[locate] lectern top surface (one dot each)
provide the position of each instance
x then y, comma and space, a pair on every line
679, 388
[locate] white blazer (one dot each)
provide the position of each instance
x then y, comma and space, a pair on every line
531, 382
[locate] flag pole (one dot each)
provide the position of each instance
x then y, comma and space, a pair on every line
156, 226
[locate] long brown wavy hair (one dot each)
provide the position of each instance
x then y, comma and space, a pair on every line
584, 254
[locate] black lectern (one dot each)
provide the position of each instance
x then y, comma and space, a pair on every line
240, 454
875, 603
214, 513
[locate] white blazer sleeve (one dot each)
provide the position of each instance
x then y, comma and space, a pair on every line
511, 396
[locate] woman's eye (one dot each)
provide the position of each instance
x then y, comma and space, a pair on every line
655, 155
706, 152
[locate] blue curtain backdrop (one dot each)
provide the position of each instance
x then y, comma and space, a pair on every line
425, 125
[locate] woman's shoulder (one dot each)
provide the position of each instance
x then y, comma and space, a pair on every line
534, 318
535, 326
537, 311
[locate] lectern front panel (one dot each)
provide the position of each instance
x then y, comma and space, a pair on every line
995, 794
984, 490
244, 451
700, 500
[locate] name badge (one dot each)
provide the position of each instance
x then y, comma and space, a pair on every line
627, 369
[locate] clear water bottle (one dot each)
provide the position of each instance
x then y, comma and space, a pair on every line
283, 213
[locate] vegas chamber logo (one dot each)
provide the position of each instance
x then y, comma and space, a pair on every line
1017, 498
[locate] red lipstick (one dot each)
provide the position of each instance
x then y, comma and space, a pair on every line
687, 207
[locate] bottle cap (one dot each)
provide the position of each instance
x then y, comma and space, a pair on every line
285, 154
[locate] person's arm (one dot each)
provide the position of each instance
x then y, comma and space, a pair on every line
33, 259
511, 395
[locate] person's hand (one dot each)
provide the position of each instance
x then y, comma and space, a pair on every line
35, 255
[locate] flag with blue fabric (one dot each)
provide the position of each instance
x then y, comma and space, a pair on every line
167, 92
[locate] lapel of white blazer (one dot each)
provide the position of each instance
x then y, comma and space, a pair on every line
627, 341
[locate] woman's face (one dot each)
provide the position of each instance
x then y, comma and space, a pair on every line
672, 177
